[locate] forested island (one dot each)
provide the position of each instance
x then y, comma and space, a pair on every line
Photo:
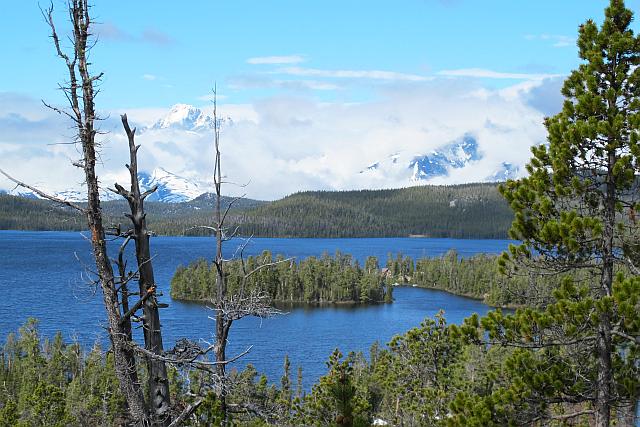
337, 279
341, 279
470, 211
569, 355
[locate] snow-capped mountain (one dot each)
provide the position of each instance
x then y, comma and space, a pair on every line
438, 163
419, 168
172, 188
19, 191
78, 195
507, 171
185, 117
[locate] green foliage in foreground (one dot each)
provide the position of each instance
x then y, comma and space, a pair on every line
431, 375
50, 383
434, 374
314, 280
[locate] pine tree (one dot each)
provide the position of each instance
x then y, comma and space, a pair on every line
575, 216
286, 395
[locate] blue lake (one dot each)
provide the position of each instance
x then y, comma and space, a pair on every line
42, 275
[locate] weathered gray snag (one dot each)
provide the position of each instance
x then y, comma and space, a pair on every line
229, 308
80, 94
158, 400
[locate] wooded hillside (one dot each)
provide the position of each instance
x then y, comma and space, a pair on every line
460, 211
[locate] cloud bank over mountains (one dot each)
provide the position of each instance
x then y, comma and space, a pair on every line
291, 142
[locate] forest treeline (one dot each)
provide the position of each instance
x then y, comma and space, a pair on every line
460, 211
340, 278
430, 375
327, 279
21, 213
47, 382
477, 277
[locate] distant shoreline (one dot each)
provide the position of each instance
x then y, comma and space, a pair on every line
270, 237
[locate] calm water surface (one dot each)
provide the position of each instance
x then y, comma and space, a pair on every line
42, 275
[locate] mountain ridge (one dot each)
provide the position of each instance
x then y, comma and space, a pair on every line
171, 188
459, 211
419, 169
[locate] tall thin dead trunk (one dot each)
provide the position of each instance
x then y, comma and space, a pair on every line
159, 403
80, 93
223, 322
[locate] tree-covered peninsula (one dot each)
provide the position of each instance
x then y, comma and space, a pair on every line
327, 279
341, 279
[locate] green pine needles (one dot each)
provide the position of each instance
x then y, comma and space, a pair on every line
576, 357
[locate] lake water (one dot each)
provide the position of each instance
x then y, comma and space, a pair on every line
42, 275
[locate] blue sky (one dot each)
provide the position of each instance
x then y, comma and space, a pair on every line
316, 91
159, 53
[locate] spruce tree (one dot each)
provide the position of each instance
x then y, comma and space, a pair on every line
575, 216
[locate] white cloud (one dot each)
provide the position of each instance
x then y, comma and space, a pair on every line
239, 112
285, 144
149, 77
306, 84
555, 39
294, 143
353, 74
490, 74
255, 81
139, 116
289, 59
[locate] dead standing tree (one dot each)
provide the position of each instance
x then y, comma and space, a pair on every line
159, 403
80, 93
229, 308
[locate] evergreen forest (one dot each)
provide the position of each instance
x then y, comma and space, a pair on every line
337, 279
460, 211
567, 353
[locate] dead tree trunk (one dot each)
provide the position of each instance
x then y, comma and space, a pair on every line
223, 322
158, 400
80, 94
230, 308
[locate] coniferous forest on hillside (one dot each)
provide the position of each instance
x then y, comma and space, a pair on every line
460, 211
568, 354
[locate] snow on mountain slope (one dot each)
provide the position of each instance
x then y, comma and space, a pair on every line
184, 117
20, 192
507, 171
172, 188
456, 155
79, 195
420, 168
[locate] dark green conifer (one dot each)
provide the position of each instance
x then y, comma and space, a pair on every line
575, 215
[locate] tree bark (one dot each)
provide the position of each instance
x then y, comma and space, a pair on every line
604, 346
83, 115
159, 399
223, 322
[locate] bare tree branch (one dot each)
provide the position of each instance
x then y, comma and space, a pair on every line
43, 194
186, 413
